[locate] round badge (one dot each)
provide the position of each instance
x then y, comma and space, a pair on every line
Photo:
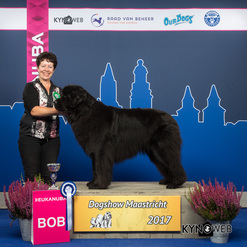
207, 228
212, 18
97, 20
66, 187
56, 95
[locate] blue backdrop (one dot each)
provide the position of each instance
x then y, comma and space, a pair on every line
198, 77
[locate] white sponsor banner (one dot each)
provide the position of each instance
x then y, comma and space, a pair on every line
86, 19
148, 19
13, 18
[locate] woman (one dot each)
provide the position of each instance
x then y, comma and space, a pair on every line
39, 141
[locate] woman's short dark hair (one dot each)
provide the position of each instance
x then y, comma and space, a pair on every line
47, 56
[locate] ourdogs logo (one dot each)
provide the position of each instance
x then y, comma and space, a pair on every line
212, 18
206, 229
68, 20
180, 19
97, 20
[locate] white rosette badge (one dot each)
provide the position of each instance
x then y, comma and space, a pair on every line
68, 190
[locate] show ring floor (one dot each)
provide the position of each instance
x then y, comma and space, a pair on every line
188, 216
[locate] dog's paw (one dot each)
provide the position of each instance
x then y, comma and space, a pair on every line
164, 181
96, 186
172, 186
89, 183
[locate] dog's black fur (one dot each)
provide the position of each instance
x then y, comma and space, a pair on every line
108, 135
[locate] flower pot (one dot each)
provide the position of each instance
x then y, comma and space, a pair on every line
25, 227
221, 231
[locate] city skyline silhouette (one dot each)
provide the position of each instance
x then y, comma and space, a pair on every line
211, 146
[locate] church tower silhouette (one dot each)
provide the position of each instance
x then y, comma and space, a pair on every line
108, 88
140, 94
214, 113
188, 113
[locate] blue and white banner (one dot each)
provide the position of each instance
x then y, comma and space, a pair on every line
148, 19
90, 19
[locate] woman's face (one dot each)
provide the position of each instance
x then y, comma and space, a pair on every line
46, 70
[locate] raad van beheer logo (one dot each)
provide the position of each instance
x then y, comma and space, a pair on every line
97, 20
212, 18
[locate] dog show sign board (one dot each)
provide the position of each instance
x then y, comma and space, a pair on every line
127, 213
49, 218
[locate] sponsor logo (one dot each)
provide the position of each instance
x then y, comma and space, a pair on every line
49, 199
97, 20
179, 19
102, 221
212, 18
206, 229
130, 18
68, 20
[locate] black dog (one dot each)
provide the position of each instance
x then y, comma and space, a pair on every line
108, 135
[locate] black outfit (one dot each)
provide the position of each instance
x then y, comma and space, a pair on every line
39, 141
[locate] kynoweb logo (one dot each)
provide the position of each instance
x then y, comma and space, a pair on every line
68, 20
206, 229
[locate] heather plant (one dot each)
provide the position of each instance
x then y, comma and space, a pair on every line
19, 198
215, 202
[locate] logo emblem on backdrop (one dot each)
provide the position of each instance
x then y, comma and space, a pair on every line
179, 19
97, 20
102, 221
212, 18
68, 20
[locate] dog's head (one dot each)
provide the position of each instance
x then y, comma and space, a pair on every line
107, 216
72, 97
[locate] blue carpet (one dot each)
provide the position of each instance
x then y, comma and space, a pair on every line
10, 236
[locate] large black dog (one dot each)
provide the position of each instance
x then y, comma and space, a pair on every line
108, 135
